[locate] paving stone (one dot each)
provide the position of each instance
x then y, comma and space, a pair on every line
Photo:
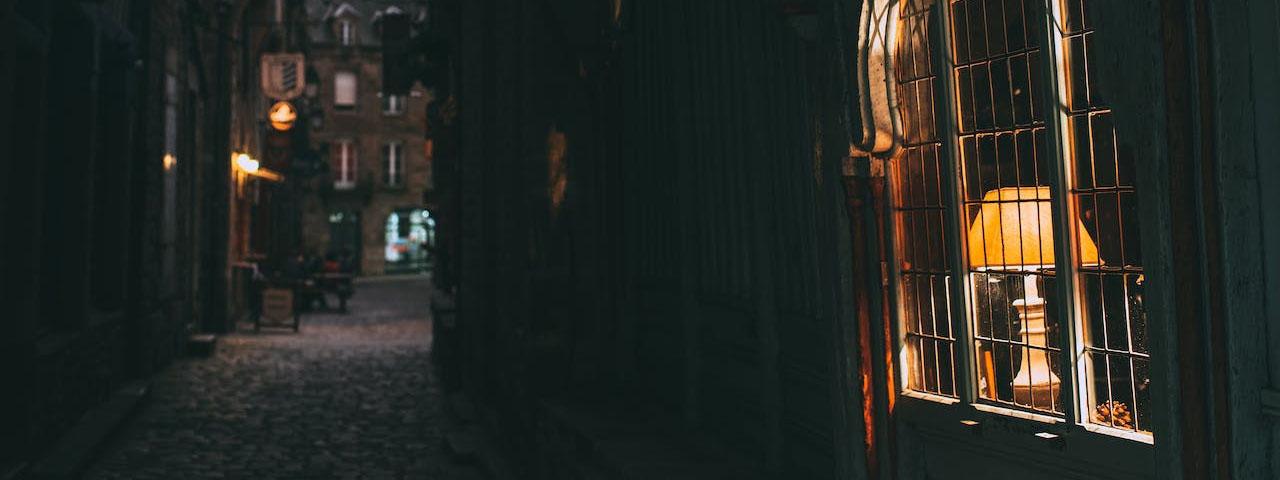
350, 396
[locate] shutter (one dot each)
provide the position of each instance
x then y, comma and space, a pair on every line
335, 160
386, 165
352, 165
344, 89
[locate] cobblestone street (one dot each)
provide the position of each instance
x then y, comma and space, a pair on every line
351, 396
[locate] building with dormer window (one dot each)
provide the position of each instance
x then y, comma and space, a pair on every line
371, 202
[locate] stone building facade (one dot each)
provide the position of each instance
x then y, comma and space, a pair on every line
373, 144
117, 123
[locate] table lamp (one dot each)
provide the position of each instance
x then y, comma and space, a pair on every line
1014, 233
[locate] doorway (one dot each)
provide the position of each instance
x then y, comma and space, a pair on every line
410, 236
344, 235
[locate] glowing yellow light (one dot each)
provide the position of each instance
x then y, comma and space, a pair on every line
246, 163
169, 161
282, 115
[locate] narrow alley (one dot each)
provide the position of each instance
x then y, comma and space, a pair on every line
350, 396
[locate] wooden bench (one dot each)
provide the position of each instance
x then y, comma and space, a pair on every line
338, 284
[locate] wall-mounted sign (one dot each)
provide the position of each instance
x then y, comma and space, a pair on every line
282, 75
282, 115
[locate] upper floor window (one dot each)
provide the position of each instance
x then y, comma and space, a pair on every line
344, 90
392, 104
1042, 219
346, 32
344, 165
393, 164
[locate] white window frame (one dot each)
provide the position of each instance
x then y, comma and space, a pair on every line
342, 81
346, 32
966, 411
393, 163
393, 104
348, 165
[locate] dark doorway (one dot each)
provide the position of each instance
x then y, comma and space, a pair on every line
344, 234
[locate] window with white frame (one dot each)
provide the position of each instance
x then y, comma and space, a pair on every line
344, 90
392, 103
346, 32
344, 165
393, 164
1009, 174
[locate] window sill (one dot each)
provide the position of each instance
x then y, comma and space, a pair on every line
930, 397
1015, 413
945, 414
1045, 443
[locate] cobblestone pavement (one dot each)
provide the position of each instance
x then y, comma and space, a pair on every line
351, 396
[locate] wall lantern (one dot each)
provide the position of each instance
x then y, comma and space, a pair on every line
247, 166
282, 115
246, 163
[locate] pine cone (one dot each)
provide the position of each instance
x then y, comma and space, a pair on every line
1113, 413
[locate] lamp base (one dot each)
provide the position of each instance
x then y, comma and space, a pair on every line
1035, 385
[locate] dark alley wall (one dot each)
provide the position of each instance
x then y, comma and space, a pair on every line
659, 207
113, 139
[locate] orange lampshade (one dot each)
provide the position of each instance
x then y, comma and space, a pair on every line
1008, 235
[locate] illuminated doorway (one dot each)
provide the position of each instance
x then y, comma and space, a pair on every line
410, 235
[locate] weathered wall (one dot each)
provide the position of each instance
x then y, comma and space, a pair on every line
657, 203
100, 280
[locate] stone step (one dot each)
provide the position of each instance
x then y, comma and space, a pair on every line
73, 452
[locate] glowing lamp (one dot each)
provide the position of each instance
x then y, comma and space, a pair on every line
1014, 233
246, 163
282, 115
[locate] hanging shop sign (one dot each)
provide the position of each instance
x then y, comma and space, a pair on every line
282, 75
282, 115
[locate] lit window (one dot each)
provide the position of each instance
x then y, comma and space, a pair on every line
344, 165
392, 103
346, 32
392, 164
1010, 207
344, 90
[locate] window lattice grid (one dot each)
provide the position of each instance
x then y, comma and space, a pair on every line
996, 57
1006, 183
919, 214
1111, 281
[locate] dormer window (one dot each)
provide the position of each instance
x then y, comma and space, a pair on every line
346, 32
